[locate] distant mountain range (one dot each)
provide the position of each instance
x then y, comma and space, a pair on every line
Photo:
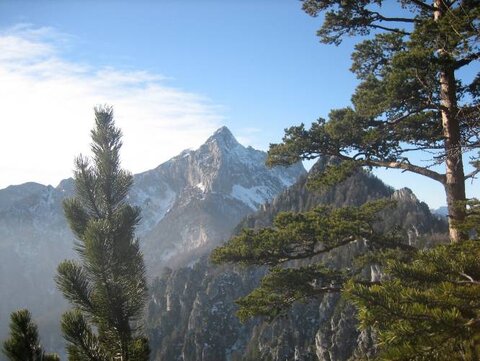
189, 204
441, 211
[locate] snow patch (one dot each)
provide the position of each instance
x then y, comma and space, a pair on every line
286, 180
155, 204
252, 197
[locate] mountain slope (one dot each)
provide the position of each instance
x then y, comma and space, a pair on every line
189, 204
207, 192
191, 312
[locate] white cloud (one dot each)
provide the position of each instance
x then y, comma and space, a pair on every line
47, 103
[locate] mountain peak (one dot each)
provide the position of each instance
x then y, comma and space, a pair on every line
405, 193
224, 137
223, 131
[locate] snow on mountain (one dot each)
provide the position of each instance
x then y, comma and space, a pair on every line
189, 204
252, 196
210, 190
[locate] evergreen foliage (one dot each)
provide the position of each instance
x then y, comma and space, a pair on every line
425, 309
282, 287
409, 99
24, 343
304, 236
425, 306
108, 287
409, 102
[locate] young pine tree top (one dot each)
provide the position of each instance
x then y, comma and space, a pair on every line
108, 287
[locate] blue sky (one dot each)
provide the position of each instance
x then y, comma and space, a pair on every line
174, 71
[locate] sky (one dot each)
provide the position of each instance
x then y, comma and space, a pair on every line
174, 71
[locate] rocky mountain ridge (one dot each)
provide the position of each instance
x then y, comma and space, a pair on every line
189, 204
210, 189
191, 314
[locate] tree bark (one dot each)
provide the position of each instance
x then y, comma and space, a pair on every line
454, 175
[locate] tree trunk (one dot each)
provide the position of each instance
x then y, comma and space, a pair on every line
454, 175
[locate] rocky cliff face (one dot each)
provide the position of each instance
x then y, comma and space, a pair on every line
204, 194
191, 312
189, 204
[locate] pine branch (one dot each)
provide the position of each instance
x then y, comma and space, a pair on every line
408, 167
81, 338
469, 278
472, 174
392, 30
74, 284
389, 19
467, 60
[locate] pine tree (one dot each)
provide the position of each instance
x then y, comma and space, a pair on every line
108, 286
426, 306
24, 344
409, 100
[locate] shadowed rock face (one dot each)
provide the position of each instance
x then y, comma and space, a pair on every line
191, 317
189, 204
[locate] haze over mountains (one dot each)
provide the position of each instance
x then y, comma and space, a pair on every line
189, 204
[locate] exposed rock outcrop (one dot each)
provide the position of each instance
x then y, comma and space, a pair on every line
191, 313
